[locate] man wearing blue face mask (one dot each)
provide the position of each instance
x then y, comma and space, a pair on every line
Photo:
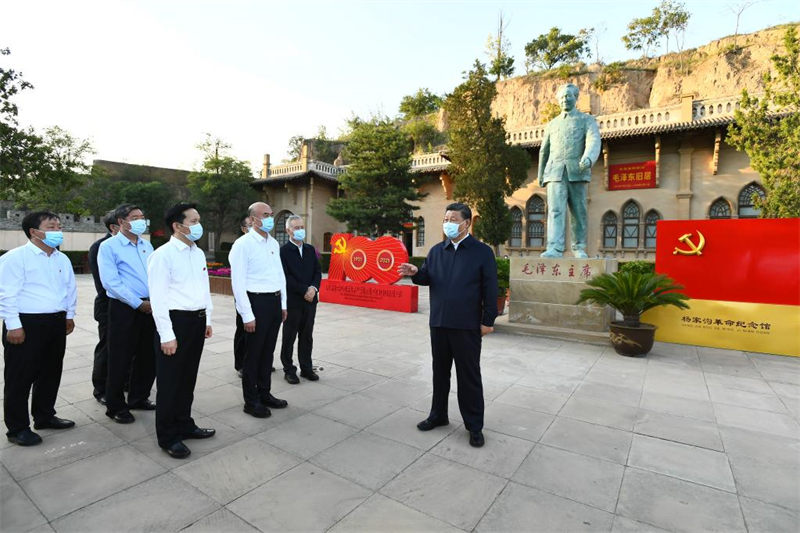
122, 262
259, 291
181, 301
462, 274
37, 305
303, 275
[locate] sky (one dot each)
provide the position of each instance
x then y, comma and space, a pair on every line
145, 80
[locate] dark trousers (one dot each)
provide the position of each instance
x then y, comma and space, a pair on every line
100, 368
36, 364
300, 324
257, 369
239, 343
464, 347
177, 376
130, 348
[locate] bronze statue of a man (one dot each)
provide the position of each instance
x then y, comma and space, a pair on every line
570, 147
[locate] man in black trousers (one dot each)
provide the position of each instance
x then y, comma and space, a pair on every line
303, 274
122, 262
239, 338
37, 305
259, 291
462, 274
181, 302
100, 368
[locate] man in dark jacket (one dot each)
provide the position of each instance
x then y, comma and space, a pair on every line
303, 274
100, 368
462, 274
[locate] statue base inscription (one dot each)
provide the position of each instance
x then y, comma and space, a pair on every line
544, 292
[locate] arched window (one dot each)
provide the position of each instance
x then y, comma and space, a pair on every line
535, 214
720, 209
650, 228
326, 241
610, 230
420, 231
516, 228
747, 208
279, 231
630, 225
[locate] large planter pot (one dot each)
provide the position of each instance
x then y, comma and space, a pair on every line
501, 301
632, 341
220, 285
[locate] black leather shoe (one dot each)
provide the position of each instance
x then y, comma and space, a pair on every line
178, 450
274, 403
200, 433
476, 439
291, 378
25, 437
428, 424
100, 397
54, 423
121, 417
310, 375
258, 411
144, 405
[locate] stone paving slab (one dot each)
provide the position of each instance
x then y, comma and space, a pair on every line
577, 439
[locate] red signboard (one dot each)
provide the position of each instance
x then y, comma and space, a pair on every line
746, 260
389, 297
361, 259
632, 176
744, 280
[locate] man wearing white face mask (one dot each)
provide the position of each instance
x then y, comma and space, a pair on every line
122, 262
462, 274
303, 275
181, 301
259, 291
37, 305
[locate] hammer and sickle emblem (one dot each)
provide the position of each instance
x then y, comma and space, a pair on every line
340, 246
695, 249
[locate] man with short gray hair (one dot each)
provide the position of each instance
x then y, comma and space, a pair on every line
303, 276
570, 147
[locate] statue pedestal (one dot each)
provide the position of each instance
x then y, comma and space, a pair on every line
543, 296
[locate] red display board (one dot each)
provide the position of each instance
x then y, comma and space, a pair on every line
403, 298
632, 176
740, 260
743, 276
361, 259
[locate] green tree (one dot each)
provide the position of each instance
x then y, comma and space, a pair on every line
551, 48
59, 174
295, 149
484, 168
423, 134
23, 153
222, 186
768, 130
501, 64
419, 104
378, 183
669, 17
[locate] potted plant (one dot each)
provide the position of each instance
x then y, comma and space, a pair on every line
503, 274
632, 292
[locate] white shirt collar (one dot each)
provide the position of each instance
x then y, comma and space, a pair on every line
179, 244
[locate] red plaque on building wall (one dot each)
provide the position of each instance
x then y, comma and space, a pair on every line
632, 176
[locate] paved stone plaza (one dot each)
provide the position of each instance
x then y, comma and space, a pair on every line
577, 439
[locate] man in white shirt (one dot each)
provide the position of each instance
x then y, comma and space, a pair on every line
181, 304
259, 289
37, 305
